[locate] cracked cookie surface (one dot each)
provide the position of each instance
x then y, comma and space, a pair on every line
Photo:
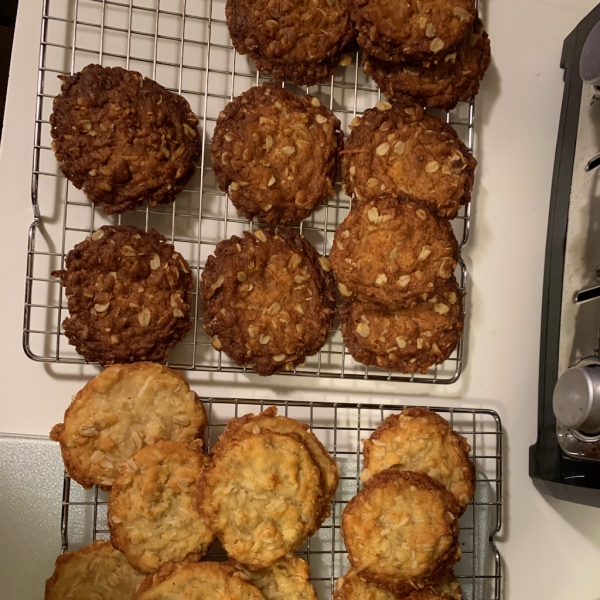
412, 29
300, 41
96, 571
276, 154
150, 513
390, 252
268, 299
408, 339
123, 138
420, 440
261, 496
128, 295
121, 410
403, 151
401, 531
437, 84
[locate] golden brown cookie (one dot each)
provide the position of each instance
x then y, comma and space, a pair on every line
275, 154
402, 151
352, 587
412, 30
261, 496
268, 299
268, 419
301, 42
440, 83
201, 581
401, 531
128, 294
150, 513
391, 252
96, 571
120, 410
408, 339
420, 440
287, 579
123, 138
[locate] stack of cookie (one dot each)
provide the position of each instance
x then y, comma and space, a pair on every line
401, 530
136, 431
395, 254
435, 51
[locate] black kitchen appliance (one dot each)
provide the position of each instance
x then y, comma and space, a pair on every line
565, 460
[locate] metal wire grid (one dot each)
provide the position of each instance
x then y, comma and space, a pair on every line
185, 46
340, 427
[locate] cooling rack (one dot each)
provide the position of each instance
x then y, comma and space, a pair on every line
340, 427
185, 46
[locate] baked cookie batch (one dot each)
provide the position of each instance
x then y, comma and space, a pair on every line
137, 431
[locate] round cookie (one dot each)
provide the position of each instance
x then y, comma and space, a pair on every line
123, 138
261, 496
391, 252
301, 42
403, 151
275, 154
409, 339
205, 580
440, 83
353, 587
401, 531
96, 571
128, 296
150, 513
287, 578
268, 419
118, 412
422, 30
268, 299
420, 440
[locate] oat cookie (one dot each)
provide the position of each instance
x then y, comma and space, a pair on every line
353, 587
440, 83
118, 412
391, 252
409, 339
201, 581
128, 294
402, 151
301, 42
420, 440
401, 531
123, 138
96, 571
261, 496
287, 579
268, 299
413, 30
275, 154
268, 419
150, 513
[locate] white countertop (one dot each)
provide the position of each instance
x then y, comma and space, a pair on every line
551, 549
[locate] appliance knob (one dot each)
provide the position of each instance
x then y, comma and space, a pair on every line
576, 398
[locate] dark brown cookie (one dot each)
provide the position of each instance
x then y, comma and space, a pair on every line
408, 339
128, 293
276, 154
123, 138
403, 151
269, 299
440, 83
415, 29
300, 41
391, 251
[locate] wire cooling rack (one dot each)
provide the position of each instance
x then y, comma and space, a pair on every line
340, 427
185, 46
